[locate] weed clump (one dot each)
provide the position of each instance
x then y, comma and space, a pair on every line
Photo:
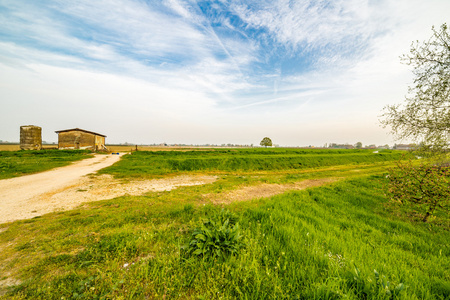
379, 285
218, 237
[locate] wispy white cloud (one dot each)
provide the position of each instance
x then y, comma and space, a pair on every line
310, 24
213, 68
132, 38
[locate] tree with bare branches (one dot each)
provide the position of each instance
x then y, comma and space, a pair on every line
425, 118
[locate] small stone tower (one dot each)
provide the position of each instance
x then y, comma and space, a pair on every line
30, 137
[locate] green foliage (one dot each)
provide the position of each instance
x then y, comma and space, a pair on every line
425, 117
266, 142
147, 163
298, 245
217, 238
424, 186
365, 287
85, 286
18, 163
121, 245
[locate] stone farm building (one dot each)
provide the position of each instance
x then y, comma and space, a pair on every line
80, 139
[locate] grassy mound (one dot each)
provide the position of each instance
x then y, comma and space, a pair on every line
144, 163
332, 242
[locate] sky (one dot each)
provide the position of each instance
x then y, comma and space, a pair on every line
209, 72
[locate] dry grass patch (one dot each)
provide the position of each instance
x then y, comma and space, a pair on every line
266, 190
6, 283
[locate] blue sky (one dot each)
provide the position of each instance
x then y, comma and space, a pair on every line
226, 71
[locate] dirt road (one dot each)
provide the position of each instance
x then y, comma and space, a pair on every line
18, 196
67, 187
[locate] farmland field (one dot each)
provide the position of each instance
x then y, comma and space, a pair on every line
9, 147
16, 147
129, 148
342, 240
147, 163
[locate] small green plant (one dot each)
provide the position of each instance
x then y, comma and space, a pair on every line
365, 287
386, 285
217, 237
84, 288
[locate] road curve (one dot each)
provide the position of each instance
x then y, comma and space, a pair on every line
18, 194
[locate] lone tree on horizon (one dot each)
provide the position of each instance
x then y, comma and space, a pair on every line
266, 142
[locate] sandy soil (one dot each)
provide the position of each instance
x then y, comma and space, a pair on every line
104, 187
67, 187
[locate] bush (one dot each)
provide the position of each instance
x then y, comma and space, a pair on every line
217, 237
423, 186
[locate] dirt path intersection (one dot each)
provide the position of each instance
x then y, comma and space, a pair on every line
67, 187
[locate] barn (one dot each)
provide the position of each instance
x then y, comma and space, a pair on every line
77, 138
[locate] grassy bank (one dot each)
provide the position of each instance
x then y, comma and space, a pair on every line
150, 163
321, 243
18, 163
342, 240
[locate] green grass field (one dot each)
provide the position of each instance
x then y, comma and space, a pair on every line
344, 240
18, 163
150, 163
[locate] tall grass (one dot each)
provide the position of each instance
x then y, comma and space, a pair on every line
322, 243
